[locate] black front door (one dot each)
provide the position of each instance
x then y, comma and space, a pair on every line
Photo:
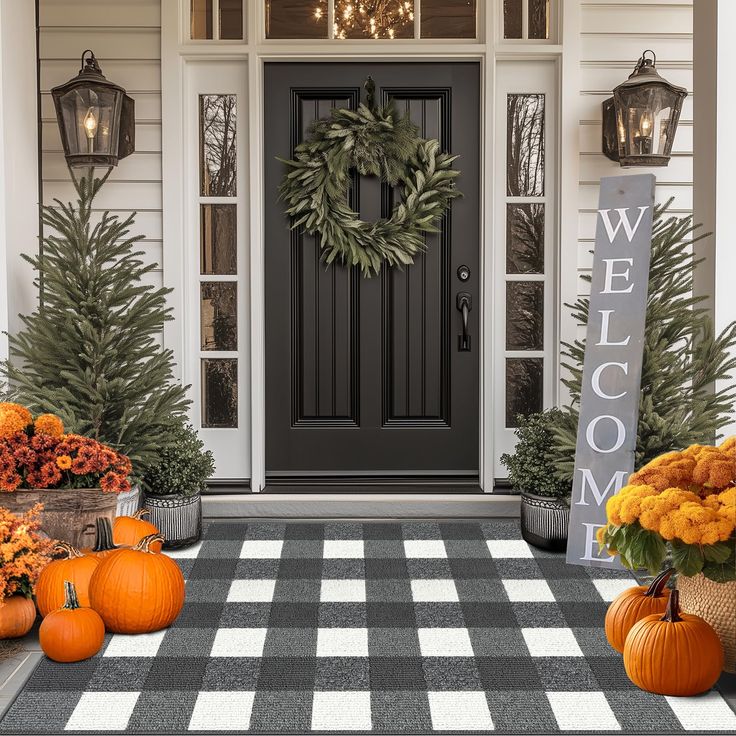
365, 378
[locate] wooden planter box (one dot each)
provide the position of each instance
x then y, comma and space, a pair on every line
68, 514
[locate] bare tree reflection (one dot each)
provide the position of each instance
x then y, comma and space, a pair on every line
525, 238
217, 118
525, 145
220, 392
524, 388
524, 315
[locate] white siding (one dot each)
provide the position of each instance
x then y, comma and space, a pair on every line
613, 35
126, 38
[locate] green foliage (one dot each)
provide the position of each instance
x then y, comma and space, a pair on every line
377, 143
637, 547
682, 357
89, 352
183, 466
531, 466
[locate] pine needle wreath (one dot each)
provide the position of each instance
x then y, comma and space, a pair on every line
375, 142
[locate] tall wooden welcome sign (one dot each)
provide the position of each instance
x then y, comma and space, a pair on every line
609, 402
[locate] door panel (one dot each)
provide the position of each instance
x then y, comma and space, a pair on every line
364, 376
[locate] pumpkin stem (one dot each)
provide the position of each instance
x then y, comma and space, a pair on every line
70, 596
146, 542
103, 538
657, 585
140, 513
672, 612
68, 550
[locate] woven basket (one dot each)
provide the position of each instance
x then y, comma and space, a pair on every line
716, 603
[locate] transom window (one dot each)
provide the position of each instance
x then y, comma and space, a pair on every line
526, 19
216, 20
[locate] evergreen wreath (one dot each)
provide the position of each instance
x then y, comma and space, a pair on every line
376, 142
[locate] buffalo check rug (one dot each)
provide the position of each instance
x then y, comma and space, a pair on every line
414, 627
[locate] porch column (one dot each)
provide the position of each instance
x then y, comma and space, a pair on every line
714, 149
18, 161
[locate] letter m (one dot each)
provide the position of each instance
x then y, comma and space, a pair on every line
623, 219
617, 483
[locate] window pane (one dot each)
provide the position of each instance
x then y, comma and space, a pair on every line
296, 18
524, 315
525, 145
448, 18
220, 392
218, 239
231, 19
219, 315
538, 18
201, 19
524, 238
374, 19
217, 117
524, 387
512, 23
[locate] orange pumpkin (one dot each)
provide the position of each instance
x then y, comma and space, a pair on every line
104, 545
71, 633
675, 654
137, 590
17, 614
75, 567
633, 605
131, 529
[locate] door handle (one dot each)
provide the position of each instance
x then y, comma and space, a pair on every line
464, 305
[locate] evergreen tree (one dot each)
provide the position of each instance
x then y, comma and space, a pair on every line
682, 357
89, 351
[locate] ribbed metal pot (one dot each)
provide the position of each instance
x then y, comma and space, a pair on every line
178, 518
544, 521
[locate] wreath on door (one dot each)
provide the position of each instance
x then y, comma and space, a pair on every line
375, 142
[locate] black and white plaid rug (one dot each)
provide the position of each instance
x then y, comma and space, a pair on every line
412, 627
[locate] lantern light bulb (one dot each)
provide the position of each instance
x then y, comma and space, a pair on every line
90, 124
646, 125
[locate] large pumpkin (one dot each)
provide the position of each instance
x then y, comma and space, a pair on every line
675, 654
17, 614
129, 530
104, 544
75, 567
71, 633
632, 606
137, 590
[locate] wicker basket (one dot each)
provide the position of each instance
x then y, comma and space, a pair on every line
716, 603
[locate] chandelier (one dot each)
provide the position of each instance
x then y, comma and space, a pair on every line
368, 18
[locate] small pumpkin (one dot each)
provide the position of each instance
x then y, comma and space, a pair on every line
104, 544
633, 605
17, 614
137, 590
129, 530
73, 566
73, 632
675, 654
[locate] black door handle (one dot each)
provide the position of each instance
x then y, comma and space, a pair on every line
464, 305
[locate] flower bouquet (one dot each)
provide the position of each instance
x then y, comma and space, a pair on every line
76, 478
680, 510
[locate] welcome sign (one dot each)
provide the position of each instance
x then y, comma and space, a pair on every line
609, 402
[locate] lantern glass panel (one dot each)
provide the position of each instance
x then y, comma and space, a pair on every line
90, 118
645, 116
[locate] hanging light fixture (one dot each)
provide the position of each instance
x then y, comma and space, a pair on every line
96, 118
640, 120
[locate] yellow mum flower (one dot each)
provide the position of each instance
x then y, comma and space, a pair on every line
63, 462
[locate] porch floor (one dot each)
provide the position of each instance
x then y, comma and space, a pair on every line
392, 627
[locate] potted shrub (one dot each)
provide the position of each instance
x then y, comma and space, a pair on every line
679, 510
545, 510
173, 486
77, 479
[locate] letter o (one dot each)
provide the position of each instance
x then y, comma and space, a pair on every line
590, 431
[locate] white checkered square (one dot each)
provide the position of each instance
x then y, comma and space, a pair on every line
342, 642
261, 549
557, 642
188, 553
251, 591
610, 588
425, 548
239, 643
445, 642
708, 712
463, 710
343, 591
339, 549
102, 711
341, 711
583, 711
434, 591
223, 710
134, 645
528, 591
509, 548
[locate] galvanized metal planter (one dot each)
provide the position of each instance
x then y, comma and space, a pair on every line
544, 521
177, 517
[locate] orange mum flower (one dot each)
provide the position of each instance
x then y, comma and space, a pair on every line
10, 423
19, 409
110, 483
49, 424
63, 462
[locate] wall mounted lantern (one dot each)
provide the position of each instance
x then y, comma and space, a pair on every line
640, 120
96, 118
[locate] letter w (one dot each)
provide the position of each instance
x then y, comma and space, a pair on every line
623, 219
